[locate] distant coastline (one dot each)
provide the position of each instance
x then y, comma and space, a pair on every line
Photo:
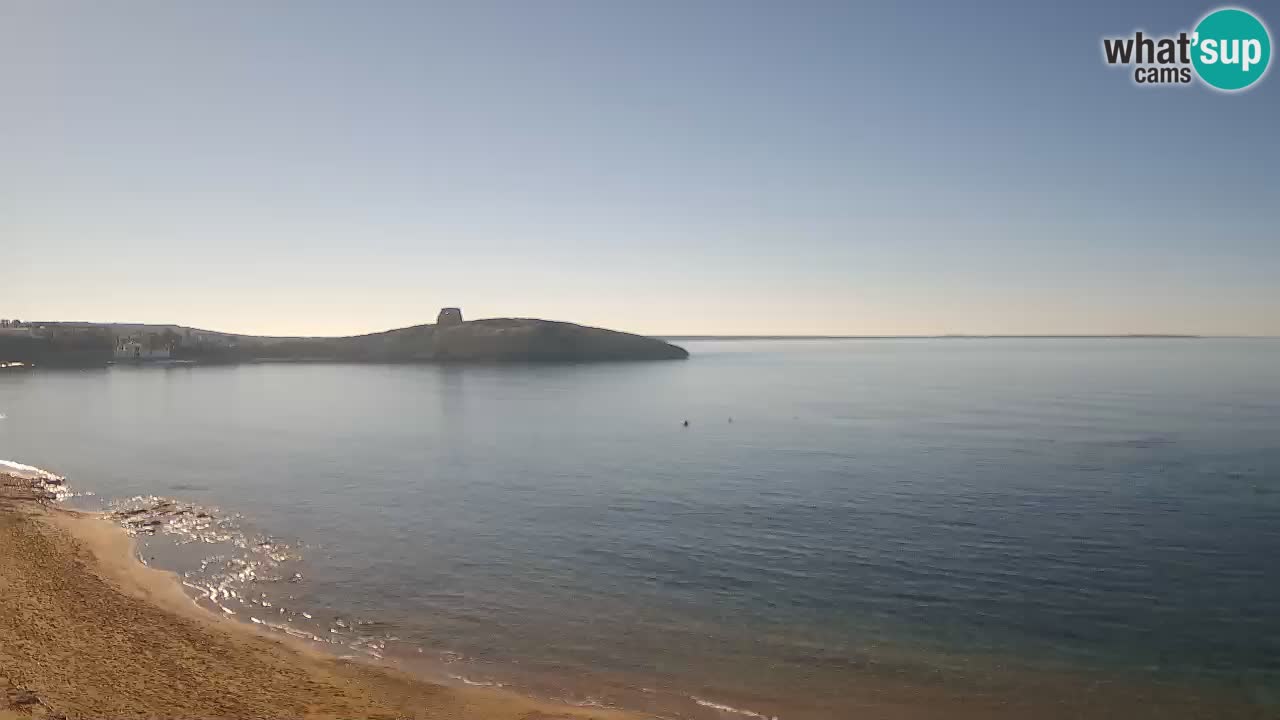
1133, 336
449, 340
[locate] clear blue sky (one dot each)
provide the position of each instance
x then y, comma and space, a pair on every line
662, 167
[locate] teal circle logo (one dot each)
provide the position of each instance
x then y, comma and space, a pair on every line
1232, 49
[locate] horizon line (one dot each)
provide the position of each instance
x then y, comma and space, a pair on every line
970, 336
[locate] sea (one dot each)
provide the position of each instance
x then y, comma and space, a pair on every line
792, 529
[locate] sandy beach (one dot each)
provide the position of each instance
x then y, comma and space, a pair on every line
89, 632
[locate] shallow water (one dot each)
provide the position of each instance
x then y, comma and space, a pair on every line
898, 508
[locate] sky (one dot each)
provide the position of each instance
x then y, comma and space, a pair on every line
658, 166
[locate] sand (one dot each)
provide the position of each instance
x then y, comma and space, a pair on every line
87, 631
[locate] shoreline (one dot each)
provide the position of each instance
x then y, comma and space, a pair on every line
92, 630
89, 631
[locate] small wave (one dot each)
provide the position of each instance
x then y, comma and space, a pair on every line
3, 416
234, 564
30, 471
225, 576
476, 683
730, 709
54, 485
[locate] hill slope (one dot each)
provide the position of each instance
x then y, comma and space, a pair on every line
493, 340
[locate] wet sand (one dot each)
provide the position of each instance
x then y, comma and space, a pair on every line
87, 631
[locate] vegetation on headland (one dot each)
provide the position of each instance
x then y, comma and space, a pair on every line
453, 340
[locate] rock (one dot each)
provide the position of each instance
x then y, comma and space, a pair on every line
145, 522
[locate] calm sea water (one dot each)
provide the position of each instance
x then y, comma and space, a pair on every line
917, 508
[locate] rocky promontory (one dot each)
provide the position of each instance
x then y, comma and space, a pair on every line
449, 339
455, 340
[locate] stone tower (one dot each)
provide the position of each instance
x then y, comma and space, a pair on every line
449, 316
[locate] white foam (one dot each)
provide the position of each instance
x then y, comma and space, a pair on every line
477, 683
30, 471
52, 483
228, 578
730, 709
